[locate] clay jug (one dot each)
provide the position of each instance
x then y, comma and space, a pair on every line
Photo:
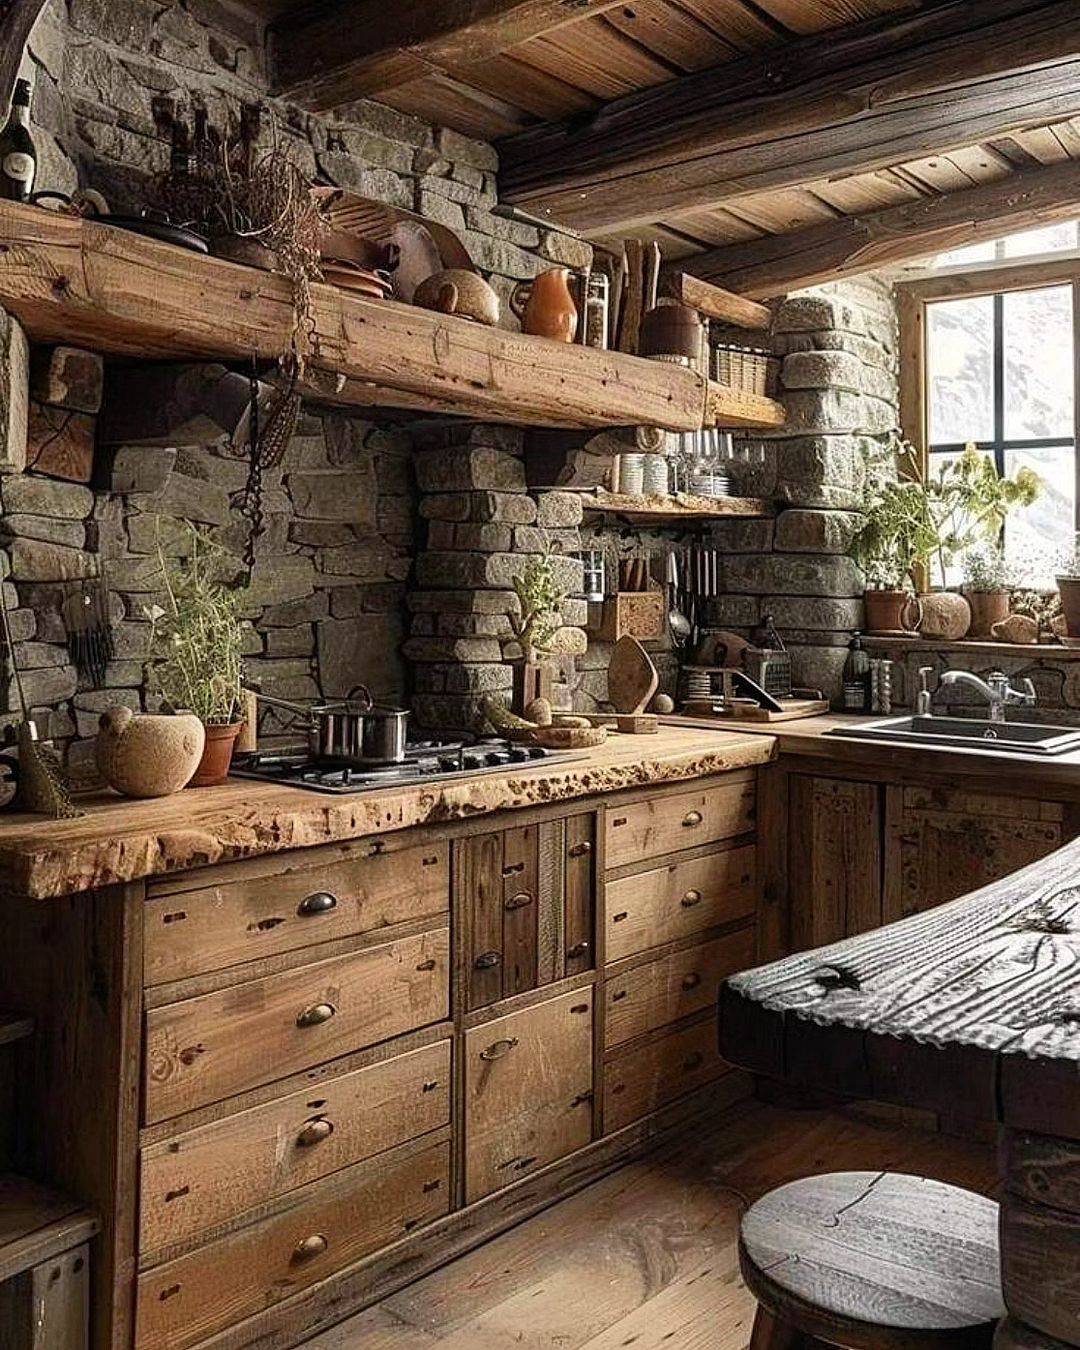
892, 612
148, 754
546, 306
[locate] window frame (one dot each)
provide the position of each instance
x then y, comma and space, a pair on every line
985, 279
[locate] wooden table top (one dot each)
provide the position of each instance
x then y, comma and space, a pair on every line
118, 840
972, 1007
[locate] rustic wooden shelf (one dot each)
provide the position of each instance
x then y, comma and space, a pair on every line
682, 508
116, 292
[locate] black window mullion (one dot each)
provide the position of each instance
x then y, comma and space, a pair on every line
999, 383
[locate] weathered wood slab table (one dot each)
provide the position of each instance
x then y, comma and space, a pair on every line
974, 1006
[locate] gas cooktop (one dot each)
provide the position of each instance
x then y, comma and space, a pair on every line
425, 762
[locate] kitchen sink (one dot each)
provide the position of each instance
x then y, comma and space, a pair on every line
975, 733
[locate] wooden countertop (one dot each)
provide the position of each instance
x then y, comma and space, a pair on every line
972, 1007
808, 738
119, 840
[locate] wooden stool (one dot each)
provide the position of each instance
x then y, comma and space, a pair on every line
872, 1261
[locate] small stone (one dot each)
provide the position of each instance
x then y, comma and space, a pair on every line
68, 377
299, 641
791, 574
559, 510
463, 602
364, 650
39, 655
804, 531
321, 533
32, 560
478, 467
484, 679
70, 532
813, 612
335, 495
274, 581
453, 649
307, 610
741, 536
53, 684
189, 498
14, 395
60, 443
567, 250
128, 469
27, 495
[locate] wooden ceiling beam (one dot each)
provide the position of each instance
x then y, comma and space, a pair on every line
777, 264
843, 102
334, 53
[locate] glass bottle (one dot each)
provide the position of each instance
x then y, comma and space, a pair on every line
857, 680
18, 156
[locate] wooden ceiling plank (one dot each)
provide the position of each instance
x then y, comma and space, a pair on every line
543, 95
446, 102
814, 16
596, 58
865, 192
777, 264
672, 33
745, 26
330, 54
823, 106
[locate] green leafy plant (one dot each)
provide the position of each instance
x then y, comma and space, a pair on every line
984, 568
197, 637
897, 531
541, 603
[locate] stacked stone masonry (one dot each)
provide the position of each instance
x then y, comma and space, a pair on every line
482, 527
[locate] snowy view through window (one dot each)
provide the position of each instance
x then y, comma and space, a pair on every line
1000, 372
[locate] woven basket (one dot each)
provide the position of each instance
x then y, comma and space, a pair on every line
744, 368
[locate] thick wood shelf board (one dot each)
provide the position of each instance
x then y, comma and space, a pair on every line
37, 1224
70, 280
682, 508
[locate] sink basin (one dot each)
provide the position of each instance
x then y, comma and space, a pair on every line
967, 732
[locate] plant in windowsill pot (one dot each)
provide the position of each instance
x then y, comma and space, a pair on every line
197, 638
986, 588
895, 533
535, 624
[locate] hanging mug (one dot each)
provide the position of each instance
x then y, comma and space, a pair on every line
546, 306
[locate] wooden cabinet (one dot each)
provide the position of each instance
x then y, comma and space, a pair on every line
205, 1176
658, 825
526, 896
834, 842
316, 1231
685, 896
941, 843
528, 1091
211, 1047
652, 1072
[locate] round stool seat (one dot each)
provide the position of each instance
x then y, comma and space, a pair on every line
873, 1260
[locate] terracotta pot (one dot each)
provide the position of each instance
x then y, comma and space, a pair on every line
148, 754
546, 306
946, 615
987, 609
1069, 590
892, 612
531, 681
217, 755
671, 330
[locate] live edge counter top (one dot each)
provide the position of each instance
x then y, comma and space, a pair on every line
119, 840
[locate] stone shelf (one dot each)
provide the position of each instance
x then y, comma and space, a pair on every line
683, 508
75, 281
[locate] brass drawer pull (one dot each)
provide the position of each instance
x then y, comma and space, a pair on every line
314, 1132
691, 981
308, 1248
316, 1015
499, 1050
690, 899
520, 901
692, 819
318, 902
581, 850
487, 960
578, 949
694, 1061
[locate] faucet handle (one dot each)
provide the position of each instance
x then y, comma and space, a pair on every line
924, 671
1029, 692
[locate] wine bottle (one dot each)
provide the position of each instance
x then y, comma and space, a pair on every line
18, 158
856, 680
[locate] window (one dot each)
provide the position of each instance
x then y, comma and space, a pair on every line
1063, 237
1000, 371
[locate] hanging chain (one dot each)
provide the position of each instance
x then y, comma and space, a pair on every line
266, 447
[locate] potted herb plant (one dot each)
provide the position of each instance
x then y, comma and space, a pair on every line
986, 587
535, 624
197, 639
893, 537
1068, 584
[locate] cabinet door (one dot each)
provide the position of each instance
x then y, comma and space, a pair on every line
835, 859
528, 1091
942, 843
526, 898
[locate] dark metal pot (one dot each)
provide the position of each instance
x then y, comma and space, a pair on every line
353, 731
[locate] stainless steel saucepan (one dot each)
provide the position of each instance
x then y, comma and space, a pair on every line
352, 731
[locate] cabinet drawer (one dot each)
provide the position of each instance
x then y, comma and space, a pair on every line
660, 825
676, 986
645, 1078
206, 1176
328, 1227
210, 1047
528, 1091
650, 908
253, 911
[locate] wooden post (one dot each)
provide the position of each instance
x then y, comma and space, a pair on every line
48, 1307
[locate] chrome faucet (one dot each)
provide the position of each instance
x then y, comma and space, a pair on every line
924, 705
996, 689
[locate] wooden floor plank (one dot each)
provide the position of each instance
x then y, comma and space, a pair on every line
647, 1256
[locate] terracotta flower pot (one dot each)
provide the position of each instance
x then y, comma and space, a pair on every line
892, 612
1069, 590
987, 609
217, 756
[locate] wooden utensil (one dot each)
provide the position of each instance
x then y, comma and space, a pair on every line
632, 677
633, 302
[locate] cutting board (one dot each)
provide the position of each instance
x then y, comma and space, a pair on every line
632, 677
793, 709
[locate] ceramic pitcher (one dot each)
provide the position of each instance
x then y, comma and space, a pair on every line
546, 305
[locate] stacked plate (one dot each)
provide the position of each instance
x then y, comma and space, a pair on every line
376, 285
710, 485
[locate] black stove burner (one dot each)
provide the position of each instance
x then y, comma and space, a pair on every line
425, 761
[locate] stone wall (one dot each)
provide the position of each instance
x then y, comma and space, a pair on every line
482, 527
838, 345
97, 66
